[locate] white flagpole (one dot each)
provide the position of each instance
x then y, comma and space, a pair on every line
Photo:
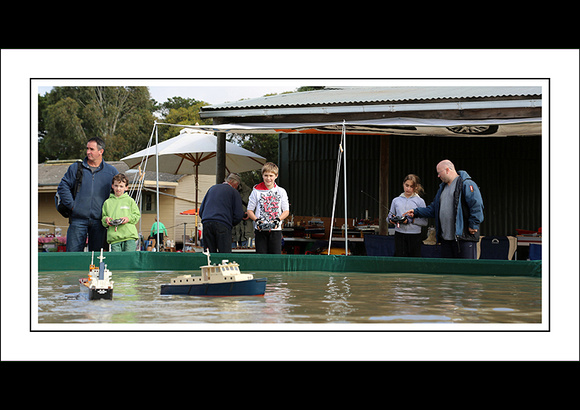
336, 179
345, 194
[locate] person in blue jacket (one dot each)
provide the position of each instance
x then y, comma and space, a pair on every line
458, 212
220, 210
87, 205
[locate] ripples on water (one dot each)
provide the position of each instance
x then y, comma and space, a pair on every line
301, 297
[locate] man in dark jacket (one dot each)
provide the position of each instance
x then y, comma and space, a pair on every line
220, 210
458, 212
87, 205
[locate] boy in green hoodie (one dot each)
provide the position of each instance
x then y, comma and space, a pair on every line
120, 214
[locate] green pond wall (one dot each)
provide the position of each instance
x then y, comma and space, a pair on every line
250, 262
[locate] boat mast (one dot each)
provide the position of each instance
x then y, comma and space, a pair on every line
101, 266
206, 253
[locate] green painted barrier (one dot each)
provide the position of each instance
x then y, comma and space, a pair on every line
250, 262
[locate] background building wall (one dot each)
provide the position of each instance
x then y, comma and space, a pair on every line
507, 170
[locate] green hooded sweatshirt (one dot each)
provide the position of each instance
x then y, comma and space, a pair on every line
118, 207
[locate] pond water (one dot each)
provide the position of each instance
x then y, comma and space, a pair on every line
300, 297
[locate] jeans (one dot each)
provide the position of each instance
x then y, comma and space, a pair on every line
76, 235
217, 237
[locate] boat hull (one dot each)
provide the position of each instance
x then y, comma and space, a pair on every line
95, 293
252, 287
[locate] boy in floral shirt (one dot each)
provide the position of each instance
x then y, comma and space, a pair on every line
268, 206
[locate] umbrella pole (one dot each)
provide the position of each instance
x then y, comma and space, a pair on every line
196, 205
157, 180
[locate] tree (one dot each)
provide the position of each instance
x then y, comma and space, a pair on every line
179, 110
64, 137
265, 145
121, 116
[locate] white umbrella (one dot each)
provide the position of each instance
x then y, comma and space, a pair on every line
194, 152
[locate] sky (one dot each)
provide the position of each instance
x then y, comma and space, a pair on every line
212, 94
215, 95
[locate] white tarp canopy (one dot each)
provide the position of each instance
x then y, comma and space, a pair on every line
392, 126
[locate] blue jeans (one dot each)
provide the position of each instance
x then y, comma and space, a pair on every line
76, 235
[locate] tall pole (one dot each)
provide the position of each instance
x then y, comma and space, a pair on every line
196, 204
345, 194
157, 181
220, 174
384, 186
336, 179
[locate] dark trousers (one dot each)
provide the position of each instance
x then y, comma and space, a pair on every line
269, 242
154, 236
408, 244
459, 249
217, 237
76, 235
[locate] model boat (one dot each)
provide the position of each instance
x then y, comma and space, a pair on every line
99, 284
224, 279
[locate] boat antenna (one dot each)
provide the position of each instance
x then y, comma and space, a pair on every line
375, 199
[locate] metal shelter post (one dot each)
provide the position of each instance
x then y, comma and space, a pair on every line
157, 181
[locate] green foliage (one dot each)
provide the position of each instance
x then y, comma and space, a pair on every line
265, 145
64, 137
70, 116
123, 117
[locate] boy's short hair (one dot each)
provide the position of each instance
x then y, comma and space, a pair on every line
120, 178
270, 167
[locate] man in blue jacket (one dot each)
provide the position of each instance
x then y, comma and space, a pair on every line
220, 210
458, 212
87, 205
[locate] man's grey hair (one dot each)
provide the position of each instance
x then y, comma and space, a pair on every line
234, 177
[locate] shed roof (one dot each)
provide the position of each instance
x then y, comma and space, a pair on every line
50, 174
369, 95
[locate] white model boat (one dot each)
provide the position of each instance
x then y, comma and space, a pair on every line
224, 279
98, 285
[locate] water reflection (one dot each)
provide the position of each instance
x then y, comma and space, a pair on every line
338, 292
301, 297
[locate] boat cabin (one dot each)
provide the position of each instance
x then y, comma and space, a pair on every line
225, 271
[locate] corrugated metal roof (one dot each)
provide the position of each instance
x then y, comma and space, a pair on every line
357, 95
